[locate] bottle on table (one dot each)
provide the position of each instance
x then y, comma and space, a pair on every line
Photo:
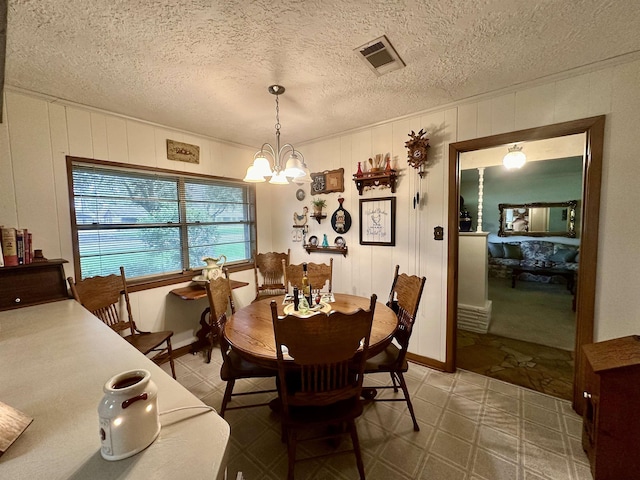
296, 300
305, 281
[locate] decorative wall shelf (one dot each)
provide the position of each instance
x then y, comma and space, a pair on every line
376, 179
335, 250
319, 218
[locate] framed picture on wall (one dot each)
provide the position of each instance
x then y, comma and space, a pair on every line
378, 221
327, 181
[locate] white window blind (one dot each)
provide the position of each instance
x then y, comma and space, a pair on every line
157, 223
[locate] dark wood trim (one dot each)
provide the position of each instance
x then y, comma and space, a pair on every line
590, 221
146, 168
163, 280
586, 288
426, 362
452, 259
177, 352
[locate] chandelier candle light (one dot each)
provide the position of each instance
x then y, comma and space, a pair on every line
294, 170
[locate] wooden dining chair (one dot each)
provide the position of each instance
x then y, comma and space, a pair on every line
101, 296
404, 299
268, 266
234, 367
319, 275
320, 371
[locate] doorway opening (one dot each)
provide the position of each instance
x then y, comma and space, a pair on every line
523, 218
593, 128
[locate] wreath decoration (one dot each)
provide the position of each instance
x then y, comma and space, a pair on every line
418, 147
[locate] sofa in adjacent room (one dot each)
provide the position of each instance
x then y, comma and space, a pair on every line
503, 257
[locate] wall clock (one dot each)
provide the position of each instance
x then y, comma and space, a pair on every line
300, 194
418, 147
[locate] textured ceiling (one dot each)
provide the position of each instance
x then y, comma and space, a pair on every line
204, 66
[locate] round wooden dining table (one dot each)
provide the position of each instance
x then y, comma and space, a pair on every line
250, 330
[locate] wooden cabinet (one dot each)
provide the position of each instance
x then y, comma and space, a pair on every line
38, 282
611, 424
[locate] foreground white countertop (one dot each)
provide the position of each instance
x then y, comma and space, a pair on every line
54, 360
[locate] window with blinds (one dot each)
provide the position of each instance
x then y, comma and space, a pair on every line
156, 222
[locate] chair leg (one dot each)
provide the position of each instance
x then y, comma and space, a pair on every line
394, 381
405, 390
227, 396
291, 451
356, 447
170, 352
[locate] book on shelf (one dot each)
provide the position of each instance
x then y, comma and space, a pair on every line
29, 247
24, 246
9, 246
20, 245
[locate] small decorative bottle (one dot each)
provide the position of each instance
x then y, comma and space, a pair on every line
387, 169
305, 281
325, 242
359, 172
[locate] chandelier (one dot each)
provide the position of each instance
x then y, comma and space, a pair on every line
295, 170
515, 158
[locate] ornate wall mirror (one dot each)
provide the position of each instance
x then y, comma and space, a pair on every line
538, 219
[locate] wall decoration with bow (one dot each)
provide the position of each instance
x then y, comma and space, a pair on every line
418, 147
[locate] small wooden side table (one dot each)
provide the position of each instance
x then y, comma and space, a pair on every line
196, 292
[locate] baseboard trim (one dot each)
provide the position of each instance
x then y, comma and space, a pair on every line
427, 362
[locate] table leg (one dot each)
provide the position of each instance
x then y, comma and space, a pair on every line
571, 282
202, 334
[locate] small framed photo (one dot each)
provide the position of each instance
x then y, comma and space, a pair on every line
334, 180
378, 221
327, 181
183, 152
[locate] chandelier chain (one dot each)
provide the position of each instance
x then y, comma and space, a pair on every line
280, 173
277, 114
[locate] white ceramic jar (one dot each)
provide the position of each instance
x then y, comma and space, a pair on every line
129, 420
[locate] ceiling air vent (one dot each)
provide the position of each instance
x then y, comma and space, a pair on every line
380, 56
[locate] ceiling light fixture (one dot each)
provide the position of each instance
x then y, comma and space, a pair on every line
295, 170
515, 158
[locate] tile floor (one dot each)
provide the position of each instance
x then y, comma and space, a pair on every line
538, 367
472, 428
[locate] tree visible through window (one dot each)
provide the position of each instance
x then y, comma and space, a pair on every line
156, 223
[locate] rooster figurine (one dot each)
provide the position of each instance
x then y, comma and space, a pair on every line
300, 219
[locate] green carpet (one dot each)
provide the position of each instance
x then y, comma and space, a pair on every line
534, 312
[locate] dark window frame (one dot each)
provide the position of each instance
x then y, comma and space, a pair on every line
143, 283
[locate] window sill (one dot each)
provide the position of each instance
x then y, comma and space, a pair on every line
186, 276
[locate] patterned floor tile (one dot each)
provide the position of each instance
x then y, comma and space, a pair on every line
471, 428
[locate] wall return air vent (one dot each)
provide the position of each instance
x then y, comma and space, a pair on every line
380, 56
